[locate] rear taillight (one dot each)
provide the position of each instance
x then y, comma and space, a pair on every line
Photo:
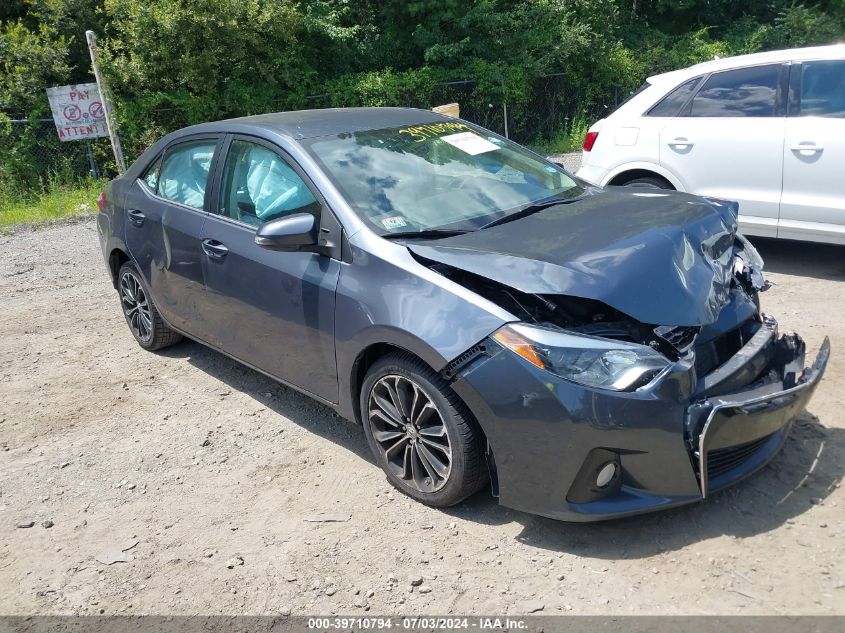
101, 200
590, 140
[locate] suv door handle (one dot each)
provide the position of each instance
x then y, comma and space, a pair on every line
214, 249
680, 142
807, 148
136, 217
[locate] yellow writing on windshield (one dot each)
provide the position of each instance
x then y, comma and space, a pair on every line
422, 133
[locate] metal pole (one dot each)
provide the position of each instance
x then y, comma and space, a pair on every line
92, 166
101, 86
505, 108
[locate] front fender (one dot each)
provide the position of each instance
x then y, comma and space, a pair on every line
391, 298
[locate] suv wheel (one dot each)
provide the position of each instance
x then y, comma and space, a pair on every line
652, 182
142, 317
422, 435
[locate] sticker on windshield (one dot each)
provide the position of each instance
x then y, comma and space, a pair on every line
470, 143
393, 222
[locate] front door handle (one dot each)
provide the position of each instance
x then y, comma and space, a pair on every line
214, 249
807, 148
680, 142
136, 217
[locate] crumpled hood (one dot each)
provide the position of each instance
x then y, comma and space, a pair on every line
663, 258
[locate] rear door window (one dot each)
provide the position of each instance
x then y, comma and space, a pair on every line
184, 173
150, 177
823, 89
744, 92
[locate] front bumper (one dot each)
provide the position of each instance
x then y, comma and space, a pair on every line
740, 432
675, 441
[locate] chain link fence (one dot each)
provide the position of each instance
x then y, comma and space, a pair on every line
36, 155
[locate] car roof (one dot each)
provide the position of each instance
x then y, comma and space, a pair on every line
302, 124
834, 51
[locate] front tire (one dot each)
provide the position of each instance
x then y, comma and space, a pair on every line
421, 434
142, 317
650, 182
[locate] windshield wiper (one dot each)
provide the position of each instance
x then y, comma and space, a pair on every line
424, 234
529, 209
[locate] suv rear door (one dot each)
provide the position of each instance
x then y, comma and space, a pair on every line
727, 142
813, 202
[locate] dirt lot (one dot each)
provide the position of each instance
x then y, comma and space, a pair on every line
188, 460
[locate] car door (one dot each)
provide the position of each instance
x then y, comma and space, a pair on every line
813, 201
727, 142
165, 211
272, 310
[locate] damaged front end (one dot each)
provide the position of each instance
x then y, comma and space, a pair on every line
742, 411
674, 412
737, 279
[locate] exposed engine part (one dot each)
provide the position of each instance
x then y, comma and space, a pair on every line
575, 314
748, 267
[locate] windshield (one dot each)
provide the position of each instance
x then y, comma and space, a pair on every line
436, 176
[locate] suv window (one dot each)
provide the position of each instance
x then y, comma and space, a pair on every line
671, 104
744, 92
184, 173
259, 185
151, 175
823, 89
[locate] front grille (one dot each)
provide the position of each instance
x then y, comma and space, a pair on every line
723, 460
679, 337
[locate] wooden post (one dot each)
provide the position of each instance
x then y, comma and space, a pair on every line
101, 86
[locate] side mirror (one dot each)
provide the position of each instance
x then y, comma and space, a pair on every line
292, 233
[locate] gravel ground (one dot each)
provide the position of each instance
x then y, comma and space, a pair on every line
199, 476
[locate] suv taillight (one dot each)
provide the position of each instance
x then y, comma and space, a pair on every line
590, 140
101, 200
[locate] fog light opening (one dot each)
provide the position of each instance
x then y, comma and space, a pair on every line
606, 474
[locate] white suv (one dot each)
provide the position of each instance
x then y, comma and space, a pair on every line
766, 130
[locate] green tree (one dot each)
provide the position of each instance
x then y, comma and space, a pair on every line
30, 61
203, 59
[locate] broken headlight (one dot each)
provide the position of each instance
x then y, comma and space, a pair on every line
587, 360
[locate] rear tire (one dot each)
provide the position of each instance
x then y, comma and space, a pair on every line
142, 317
421, 434
652, 182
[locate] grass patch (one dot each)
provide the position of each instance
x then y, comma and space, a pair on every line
59, 201
569, 137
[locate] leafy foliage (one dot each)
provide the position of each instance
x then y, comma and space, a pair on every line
555, 63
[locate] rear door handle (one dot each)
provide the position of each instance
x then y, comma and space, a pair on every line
807, 148
680, 142
136, 217
214, 249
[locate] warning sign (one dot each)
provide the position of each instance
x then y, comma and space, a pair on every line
78, 111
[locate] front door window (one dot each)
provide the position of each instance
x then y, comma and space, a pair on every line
258, 186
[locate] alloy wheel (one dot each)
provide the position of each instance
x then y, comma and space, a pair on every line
410, 433
136, 306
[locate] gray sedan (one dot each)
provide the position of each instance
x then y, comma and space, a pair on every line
486, 317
